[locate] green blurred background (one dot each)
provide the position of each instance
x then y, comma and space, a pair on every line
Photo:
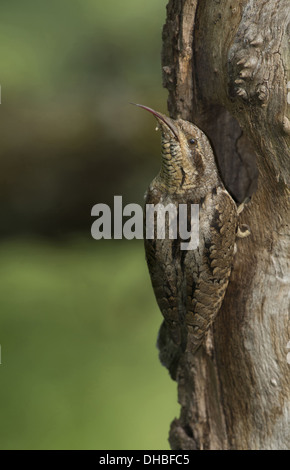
78, 322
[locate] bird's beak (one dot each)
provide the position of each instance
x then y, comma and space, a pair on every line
162, 119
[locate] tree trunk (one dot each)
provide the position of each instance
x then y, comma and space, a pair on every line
226, 66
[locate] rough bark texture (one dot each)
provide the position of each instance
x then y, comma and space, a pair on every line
226, 67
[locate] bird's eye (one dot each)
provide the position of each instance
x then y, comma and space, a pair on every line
192, 141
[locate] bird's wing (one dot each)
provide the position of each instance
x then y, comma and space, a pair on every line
207, 272
190, 285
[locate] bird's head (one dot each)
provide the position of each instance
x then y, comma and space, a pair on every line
187, 156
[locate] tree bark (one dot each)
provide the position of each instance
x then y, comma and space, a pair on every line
226, 66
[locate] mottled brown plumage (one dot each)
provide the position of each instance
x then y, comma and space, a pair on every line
190, 285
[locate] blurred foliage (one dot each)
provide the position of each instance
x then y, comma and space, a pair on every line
79, 364
78, 321
69, 137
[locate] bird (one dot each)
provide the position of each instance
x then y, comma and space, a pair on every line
190, 285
